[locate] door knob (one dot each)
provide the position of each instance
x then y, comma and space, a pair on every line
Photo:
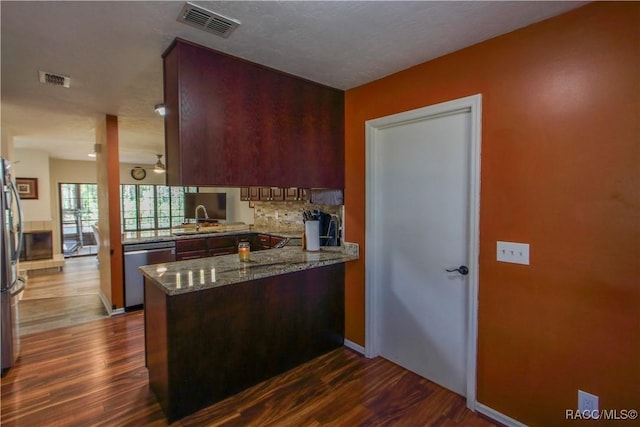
462, 270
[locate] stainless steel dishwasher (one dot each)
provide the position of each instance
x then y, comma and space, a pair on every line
137, 255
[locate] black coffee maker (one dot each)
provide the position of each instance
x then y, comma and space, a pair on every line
329, 230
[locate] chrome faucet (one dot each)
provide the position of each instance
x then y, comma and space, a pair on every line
206, 215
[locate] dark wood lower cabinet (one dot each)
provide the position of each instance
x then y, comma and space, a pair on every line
181, 256
204, 346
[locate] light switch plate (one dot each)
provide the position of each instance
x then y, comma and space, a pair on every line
517, 253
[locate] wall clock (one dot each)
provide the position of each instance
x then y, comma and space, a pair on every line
138, 173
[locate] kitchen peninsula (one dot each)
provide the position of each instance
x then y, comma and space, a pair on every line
215, 326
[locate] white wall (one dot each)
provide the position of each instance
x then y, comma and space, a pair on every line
72, 171
35, 164
6, 143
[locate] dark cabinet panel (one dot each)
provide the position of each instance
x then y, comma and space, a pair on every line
250, 193
264, 242
271, 193
221, 242
223, 245
222, 251
199, 247
244, 194
265, 193
293, 193
275, 240
277, 193
191, 248
236, 123
185, 245
254, 193
202, 347
180, 256
214, 108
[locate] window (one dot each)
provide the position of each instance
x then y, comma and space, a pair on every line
148, 207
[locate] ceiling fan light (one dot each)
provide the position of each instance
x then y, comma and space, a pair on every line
160, 109
159, 167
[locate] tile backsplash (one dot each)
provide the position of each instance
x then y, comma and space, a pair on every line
288, 215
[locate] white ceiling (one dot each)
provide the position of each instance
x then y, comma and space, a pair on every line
112, 52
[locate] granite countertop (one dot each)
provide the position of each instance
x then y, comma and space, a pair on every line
151, 236
204, 273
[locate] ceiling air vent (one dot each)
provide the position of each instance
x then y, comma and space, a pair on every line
208, 21
54, 79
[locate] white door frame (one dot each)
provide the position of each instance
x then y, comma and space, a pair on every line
372, 278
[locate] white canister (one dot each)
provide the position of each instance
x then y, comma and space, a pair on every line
312, 235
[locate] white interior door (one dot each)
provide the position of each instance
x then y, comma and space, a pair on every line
420, 183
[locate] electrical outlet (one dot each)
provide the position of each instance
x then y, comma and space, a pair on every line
517, 253
587, 401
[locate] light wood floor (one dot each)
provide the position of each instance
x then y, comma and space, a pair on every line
93, 374
58, 299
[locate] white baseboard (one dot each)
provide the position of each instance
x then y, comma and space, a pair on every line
353, 346
105, 302
498, 416
107, 306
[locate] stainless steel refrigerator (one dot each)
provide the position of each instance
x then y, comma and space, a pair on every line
11, 285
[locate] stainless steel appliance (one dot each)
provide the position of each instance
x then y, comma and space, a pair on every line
11, 285
139, 254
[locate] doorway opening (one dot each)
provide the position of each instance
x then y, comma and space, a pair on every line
78, 219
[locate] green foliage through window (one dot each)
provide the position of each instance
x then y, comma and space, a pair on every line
149, 207
142, 207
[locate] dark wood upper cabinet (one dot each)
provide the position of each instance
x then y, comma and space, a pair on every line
292, 193
235, 123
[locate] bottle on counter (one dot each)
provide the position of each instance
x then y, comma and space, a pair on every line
244, 251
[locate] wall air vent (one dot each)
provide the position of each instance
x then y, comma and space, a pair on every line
206, 20
54, 79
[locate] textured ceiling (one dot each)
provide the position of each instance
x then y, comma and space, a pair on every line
112, 52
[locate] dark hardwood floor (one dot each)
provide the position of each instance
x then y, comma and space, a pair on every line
93, 374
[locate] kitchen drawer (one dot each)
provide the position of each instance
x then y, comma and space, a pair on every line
191, 245
191, 255
222, 251
264, 241
275, 240
222, 242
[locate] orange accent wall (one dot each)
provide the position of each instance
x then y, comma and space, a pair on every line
561, 171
